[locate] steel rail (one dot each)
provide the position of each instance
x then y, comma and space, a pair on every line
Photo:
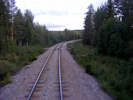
39, 75
61, 96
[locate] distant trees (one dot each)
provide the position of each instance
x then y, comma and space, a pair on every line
59, 36
113, 28
41, 35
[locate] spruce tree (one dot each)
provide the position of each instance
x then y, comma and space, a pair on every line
110, 9
89, 25
29, 32
19, 27
4, 24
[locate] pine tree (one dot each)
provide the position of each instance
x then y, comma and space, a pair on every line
110, 9
29, 33
4, 24
19, 27
13, 10
100, 16
89, 25
127, 19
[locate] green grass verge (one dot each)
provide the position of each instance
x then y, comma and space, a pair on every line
114, 75
10, 63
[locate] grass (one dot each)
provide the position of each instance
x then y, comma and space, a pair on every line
10, 63
114, 75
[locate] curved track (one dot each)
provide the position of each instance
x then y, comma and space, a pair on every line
57, 47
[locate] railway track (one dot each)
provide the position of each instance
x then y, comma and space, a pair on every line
40, 77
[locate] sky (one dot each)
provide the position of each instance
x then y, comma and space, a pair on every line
59, 14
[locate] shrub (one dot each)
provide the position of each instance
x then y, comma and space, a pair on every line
88, 69
6, 80
14, 60
6, 67
113, 74
32, 57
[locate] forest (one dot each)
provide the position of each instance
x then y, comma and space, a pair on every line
21, 39
110, 28
107, 53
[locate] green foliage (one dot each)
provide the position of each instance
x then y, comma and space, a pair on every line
94, 39
113, 74
16, 59
110, 9
109, 42
12, 45
19, 27
1, 39
112, 42
100, 16
32, 57
28, 53
89, 26
88, 69
5, 24
60, 36
112, 34
6, 67
6, 80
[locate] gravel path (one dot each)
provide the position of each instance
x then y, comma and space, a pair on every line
77, 85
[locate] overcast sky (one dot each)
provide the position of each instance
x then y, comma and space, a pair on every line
59, 14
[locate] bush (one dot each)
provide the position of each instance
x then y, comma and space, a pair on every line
88, 69
73, 51
6, 67
113, 74
6, 80
32, 57
16, 59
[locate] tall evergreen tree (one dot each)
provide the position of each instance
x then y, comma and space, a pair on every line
13, 10
89, 25
100, 16
29, 33
4, 24
110, 9
127, 19
19, 27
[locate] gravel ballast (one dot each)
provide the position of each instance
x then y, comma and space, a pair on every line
76, 84
79, 85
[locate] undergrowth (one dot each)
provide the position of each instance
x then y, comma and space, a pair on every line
114, 75
11, 62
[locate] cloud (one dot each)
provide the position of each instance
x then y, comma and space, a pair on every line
54, 13
58, 14
51, 26
61, 22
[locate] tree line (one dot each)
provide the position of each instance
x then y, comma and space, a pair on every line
110, 28
19, 28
